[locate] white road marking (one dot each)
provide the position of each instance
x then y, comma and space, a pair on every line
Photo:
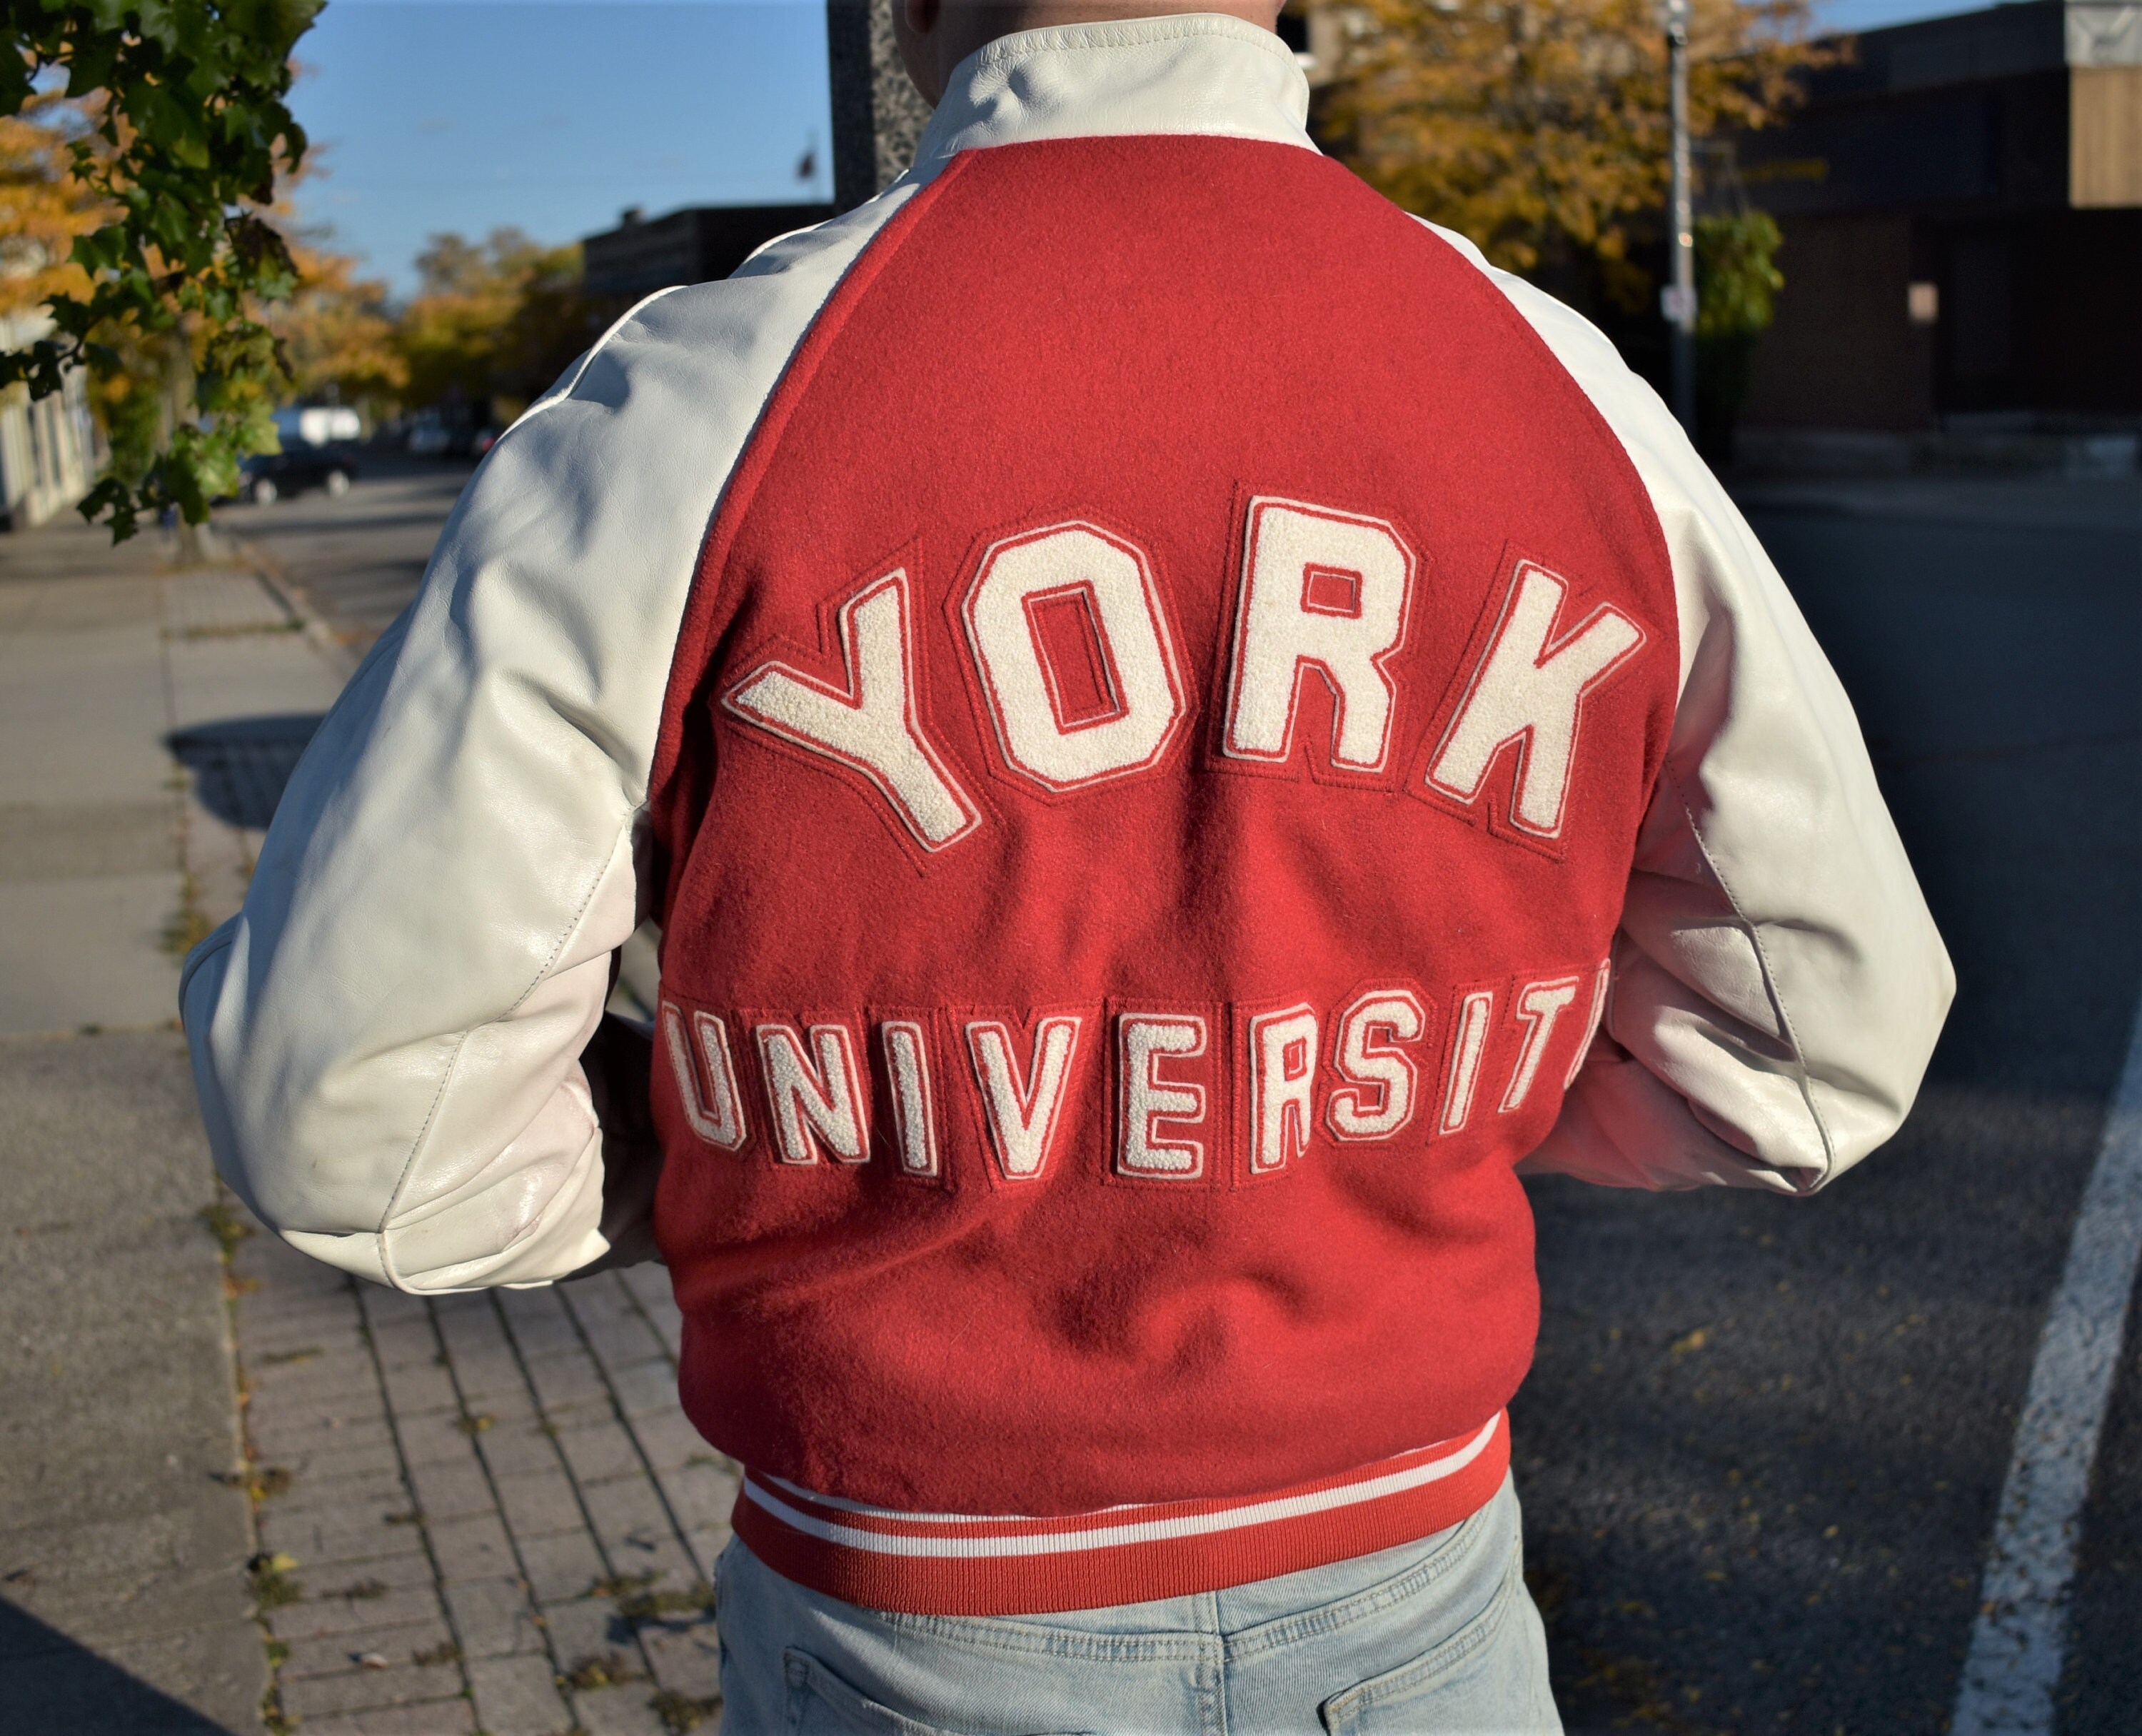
2017, 1645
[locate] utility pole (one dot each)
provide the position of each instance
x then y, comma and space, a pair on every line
1678, 300
877, 115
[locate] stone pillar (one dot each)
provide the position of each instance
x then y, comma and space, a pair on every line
877, 113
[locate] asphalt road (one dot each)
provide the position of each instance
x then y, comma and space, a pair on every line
358, 559
1762, 1448
1778, 1525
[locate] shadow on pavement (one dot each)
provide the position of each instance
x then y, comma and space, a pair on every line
54, 1683
242, 763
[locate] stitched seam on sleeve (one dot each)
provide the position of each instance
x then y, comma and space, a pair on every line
587, 361
461, 1045
201, 963
1770, 980
1622, 442
416, 1153
622, 836
431, 1114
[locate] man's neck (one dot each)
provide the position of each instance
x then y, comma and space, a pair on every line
936, 36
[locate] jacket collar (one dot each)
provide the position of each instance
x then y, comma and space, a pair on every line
1194, 72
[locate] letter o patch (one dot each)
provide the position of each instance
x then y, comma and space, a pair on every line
1074, 655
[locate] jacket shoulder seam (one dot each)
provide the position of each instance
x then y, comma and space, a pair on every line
763, 443
587, 359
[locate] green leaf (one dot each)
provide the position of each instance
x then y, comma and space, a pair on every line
115, 498
1737, 277
160, 22
89, 67
15, 83
201, 85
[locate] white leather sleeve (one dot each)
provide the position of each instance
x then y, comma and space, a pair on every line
1777, 983
388, 1041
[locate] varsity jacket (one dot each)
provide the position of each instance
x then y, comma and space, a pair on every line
1179, 730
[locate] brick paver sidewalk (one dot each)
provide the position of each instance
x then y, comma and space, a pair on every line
481, 1512
477, 1513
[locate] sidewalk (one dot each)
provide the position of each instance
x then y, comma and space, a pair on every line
483, 1513
2055, 502
122, 1600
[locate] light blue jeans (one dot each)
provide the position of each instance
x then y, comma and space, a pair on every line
1438, 1635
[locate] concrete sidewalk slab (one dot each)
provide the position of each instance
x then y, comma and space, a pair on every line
84, 840
123, 1605
82, 690
125, 1529
247, 684
89, 952
89, 877
236, 651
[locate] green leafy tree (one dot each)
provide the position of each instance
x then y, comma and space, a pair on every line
1737, 282
1737, 277
190, 132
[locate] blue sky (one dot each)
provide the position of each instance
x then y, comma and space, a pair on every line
1871, 14
554, 115
468, 115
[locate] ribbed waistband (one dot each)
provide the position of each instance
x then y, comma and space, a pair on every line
951, 1564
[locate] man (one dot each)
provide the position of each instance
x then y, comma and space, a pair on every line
1178, 728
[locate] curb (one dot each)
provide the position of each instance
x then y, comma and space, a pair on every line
287, 592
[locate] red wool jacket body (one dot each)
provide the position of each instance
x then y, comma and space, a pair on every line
1185, 708
1210, 360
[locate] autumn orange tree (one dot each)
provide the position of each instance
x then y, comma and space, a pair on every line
1540, 128
334, 335
495, 322
338, 332
44, 206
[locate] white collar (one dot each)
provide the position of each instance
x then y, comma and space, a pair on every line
1191, 72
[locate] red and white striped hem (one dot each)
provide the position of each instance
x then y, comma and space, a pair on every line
950, 1564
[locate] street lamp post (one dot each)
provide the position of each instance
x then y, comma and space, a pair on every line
1678, 301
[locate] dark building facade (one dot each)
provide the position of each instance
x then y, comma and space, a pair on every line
1963, 212
695, 245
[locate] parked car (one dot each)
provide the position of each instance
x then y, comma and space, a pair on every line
429, 438
267, 476
318, 424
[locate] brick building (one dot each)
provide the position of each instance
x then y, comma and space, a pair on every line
1962, 212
